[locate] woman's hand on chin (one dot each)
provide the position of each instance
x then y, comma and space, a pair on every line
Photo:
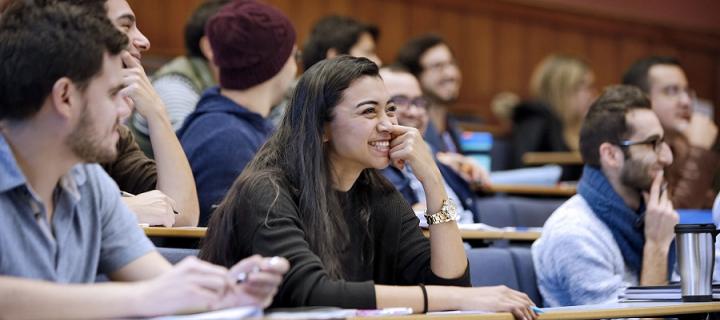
407, 146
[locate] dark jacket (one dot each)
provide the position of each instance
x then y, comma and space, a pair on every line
536, 128
461, 188
132, 170
434, 138
401, 183
219, 138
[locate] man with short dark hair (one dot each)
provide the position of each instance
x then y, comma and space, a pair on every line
617, 231
61, 217
431, 61
692, 136
332, 36
335, 35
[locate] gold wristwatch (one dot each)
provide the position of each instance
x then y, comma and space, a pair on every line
447, 213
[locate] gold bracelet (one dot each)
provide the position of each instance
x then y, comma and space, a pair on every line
447, 213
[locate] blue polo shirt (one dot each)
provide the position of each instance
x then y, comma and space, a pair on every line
92, 231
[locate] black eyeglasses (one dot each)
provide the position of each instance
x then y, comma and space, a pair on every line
403, 101
674, 91
655, 141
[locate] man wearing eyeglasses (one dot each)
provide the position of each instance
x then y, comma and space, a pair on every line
407, 96
431, 61
691, 134
618, 230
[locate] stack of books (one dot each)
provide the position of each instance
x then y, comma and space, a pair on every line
671, 292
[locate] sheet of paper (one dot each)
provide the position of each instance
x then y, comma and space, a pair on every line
335, 313
232, 313
458, 312
659, 293
316, 313
478, 226
542, 176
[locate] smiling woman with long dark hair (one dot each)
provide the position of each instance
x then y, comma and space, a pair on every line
312, 194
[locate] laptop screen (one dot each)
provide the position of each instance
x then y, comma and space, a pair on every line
477, 145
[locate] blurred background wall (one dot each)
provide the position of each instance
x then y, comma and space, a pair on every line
498, 42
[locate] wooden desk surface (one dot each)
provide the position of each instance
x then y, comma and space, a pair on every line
540, 158
616, 310
180, 232
199, 232
630, 310
495, 235
553, 191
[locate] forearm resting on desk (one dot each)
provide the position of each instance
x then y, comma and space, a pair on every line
441, 298
22, 298
174, 176
448, 259
447, 254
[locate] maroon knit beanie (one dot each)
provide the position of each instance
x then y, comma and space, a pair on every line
251, 42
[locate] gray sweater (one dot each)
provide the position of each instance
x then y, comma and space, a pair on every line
577, 260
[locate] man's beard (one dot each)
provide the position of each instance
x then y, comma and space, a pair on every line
86, 144
414, 123
634, 174
436, 99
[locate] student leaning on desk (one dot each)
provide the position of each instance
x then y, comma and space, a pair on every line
61, 217
313, 195
162, 185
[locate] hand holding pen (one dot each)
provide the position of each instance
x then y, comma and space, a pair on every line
128, 194
193, 285
255, 279
273, 265
154, 207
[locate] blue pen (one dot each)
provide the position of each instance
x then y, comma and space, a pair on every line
536, 310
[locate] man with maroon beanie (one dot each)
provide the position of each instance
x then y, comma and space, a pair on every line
254, 47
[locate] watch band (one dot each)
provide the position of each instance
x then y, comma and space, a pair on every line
447, 213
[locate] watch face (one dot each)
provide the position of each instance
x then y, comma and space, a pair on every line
448, 212
449, 207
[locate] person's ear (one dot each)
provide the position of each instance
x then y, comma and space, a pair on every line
331, 53
326, 133
206, 49
611, 155
62, 97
